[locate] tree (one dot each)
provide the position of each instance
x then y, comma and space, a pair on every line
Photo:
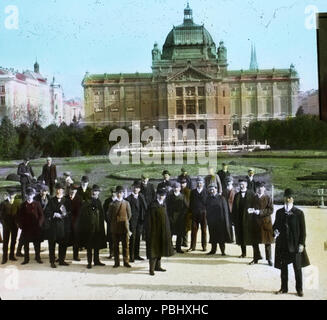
300, 111
8, 139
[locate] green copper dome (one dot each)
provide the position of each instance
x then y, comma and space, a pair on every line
189, 41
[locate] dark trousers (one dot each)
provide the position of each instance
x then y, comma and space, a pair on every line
7, 232
202, 221
20, 244
284, 277
24, 185
243, 248
155, 264
123, 238
62, 251
51, 187
96, 258
179, 239
134, 242
37, 249
257, 254
111, 244
221, 247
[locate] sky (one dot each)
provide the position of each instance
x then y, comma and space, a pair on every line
71, 37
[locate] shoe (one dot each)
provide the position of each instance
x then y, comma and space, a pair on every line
116, 266
110, 257
253, 262
270, 263
204, 249
160, 269
25, 262
151, 273
98, 263
300, 293
4, 261
131, 260
19, 254
89, 266
281, 291
39, 261
53, 265
223, 253
242, 256
139, 258
191, 249
56, 260
77, 259
127, 265
179, 251
12, 259
210, 253
63, 263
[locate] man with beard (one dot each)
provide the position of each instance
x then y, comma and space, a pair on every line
224, 174
147, 189
90, 228
30, 220
58, 225
242, 220
198, 200
106, 204
166, 184
84, 191
75, 204
176, 209
218, 219
185, 176
119, 216
289, 228
9, 209
49, 175
262, 226
158, 236
138, 209
213, 178
26, 174
188, 215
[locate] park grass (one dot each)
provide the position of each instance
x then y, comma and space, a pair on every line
283, 171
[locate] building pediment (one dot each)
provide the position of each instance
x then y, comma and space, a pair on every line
189, 74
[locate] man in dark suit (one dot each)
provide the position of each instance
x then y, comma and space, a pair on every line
166, 184
223, 175
242, 220
138, 208
185, 176
198, 200
84, 191
289, 228
26, 174
251, 183
49, 175
147, 189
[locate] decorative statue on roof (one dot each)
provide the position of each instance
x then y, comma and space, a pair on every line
156, 54
222, 52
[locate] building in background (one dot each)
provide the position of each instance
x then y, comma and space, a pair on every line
73, 111
191, 87
27, 96
309, 101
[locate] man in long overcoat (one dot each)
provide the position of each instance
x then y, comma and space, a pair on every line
184, 175
188, 215
241, 218
112, 197
176, 209
26, 174
218, 219
119, 215
9, 209
90, 228
49, 175
30, 220
158, 235
213, 178
147, 189
84, 191
262, 224
224, 174
166, 184
136, 223
251, 181
198, 200
58, 225
289, 228
229, 193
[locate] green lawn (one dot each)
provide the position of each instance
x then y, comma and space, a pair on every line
283, 171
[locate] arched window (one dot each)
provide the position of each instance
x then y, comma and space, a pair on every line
236, 128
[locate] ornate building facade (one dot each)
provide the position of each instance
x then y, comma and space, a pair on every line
191, 87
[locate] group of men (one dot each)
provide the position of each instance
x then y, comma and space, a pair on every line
74, 216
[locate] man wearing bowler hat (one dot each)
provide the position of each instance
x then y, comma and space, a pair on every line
49, 175
166, 184
8, 217
224, 174
26, 174
184, 175
84, 191
289, 228
251, 183
138, 209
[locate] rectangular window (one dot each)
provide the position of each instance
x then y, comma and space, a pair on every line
179, 92
202, 107
2, 89
190, 107
201, 91
179, 107
3, 101
224, 93
190, 91
225, 131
